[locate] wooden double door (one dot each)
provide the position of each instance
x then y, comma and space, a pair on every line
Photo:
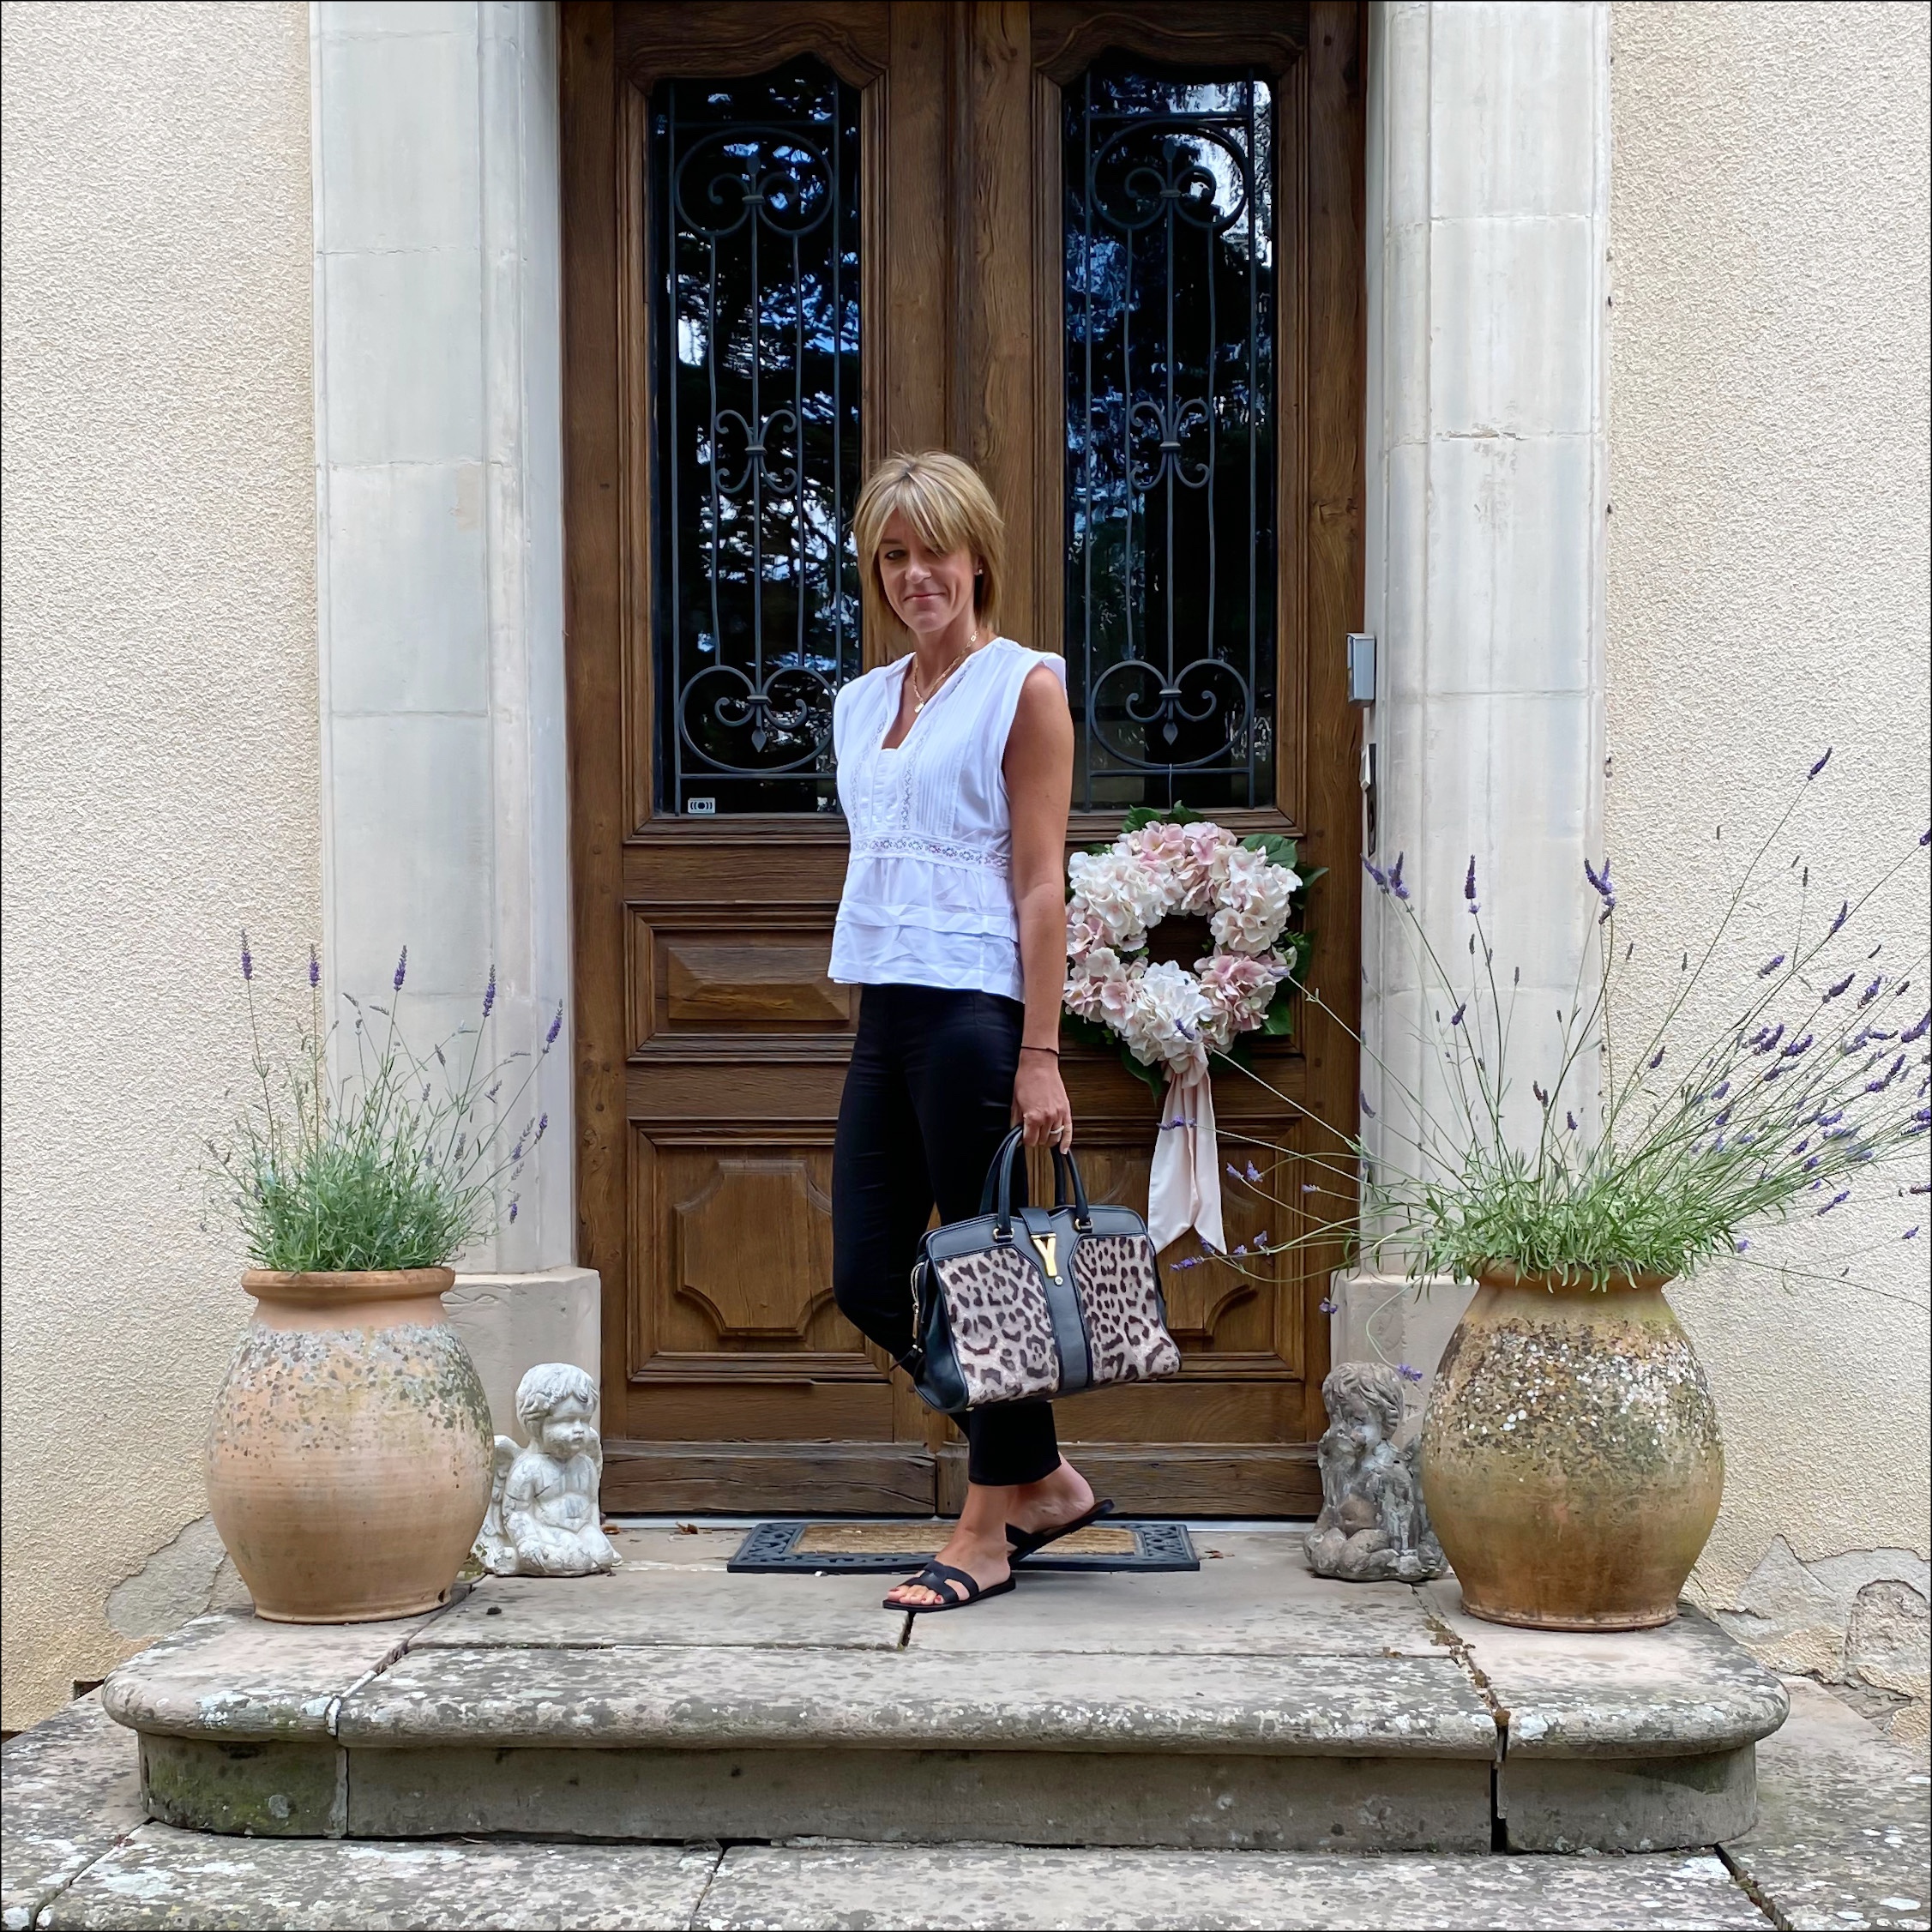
1112, 254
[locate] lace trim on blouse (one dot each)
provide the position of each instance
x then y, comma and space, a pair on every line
886, 845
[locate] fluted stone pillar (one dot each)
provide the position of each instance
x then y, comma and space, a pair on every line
1488, 284
438, 452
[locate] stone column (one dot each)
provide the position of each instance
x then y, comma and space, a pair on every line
1488, 189
438, 491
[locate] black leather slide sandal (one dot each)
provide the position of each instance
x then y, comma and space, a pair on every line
936, 1577
1022, 1543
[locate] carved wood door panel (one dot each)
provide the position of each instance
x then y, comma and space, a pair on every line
1112, 254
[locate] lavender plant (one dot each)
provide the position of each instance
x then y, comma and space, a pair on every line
396, 1163
1812, 1084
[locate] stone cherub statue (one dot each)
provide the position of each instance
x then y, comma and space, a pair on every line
1373, 1526
544, 1519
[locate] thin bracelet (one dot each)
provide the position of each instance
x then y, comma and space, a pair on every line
1053, 1050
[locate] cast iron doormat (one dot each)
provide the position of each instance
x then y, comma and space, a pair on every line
889, 1548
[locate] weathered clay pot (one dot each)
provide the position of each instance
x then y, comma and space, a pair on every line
1571, 1460
348, 1462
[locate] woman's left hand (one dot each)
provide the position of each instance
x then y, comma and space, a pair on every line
1040, 1103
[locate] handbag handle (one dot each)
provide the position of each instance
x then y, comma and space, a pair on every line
997, 1192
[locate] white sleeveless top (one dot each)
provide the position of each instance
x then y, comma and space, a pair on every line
928, 887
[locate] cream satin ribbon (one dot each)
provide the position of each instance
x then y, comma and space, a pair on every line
1184, 1188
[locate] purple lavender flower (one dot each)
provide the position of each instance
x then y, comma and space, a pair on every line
1843, 913
1911, 1234
1844, 1194
1771, 966
1407, 1373
1917, 1032
1657, 1059
1722, 1088
1469, 885
543, 1127
1234, 1172
1766, 1041
513, 1210
248, 962
1925, 837
1455, 1018
402, 967
1254, 1172
1395, 883
1871, 992
1812, 1164
1833, 992
1543, 1098
1325, 1307
1743, 1247
1376, 872
1571, 1118
1366, 1109
1599, 881
1819, 765
556, 1028
315, 967
489, 993
1831, 1119
1797, 1047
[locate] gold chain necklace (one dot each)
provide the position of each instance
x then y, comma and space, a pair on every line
920, 694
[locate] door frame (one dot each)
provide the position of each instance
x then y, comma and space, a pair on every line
997, 67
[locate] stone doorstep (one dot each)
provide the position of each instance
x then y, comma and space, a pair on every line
1250, 1707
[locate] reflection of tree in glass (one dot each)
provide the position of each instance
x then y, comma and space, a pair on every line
1170, 441
757, 446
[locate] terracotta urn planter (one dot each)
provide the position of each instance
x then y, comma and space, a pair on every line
349, 1457
1571, 1459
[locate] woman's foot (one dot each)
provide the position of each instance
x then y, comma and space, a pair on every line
1052, 1501
981, 1554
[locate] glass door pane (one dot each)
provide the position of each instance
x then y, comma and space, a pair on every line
756, 224
1169, 301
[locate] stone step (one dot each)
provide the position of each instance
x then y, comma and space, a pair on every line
1250, 1705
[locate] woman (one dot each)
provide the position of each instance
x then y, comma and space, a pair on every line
955, 771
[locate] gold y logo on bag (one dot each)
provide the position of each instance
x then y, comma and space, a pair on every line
1048, 1245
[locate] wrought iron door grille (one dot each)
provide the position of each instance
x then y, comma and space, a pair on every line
755, 227
1171, 436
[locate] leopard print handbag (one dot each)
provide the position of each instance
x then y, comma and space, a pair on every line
1026, 1302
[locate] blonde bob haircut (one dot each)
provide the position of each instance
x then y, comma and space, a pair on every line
950, 508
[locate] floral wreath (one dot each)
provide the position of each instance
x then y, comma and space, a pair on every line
1166, 1018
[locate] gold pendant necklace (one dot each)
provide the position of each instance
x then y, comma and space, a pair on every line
919, 693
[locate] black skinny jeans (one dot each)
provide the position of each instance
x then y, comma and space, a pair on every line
928, 1099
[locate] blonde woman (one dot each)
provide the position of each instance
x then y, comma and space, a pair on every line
955, 772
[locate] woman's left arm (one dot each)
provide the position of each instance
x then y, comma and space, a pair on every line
1039, 766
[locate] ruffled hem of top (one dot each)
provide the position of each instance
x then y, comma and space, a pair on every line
956, 962
883, 892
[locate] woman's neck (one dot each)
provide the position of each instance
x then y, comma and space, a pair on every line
937, 652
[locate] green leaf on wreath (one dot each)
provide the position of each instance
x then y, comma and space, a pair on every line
1144, 815
1277, 850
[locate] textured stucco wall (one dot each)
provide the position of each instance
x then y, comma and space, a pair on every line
1766, 597
160, 763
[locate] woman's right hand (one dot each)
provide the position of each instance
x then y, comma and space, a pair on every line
1040, 1103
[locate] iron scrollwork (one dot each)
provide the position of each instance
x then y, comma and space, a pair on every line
1170, 445
757, 222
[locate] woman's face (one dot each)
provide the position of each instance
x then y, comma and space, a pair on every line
928, 589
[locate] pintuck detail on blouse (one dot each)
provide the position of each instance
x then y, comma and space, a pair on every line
928, 900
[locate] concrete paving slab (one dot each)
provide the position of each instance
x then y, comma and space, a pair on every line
163, 1877
234, 1674
1684, 1690
695, 1547
1256, 1598
1842, 1837
1249, 1802
780, 1886
654, 1606
69, 1790
716, 1697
